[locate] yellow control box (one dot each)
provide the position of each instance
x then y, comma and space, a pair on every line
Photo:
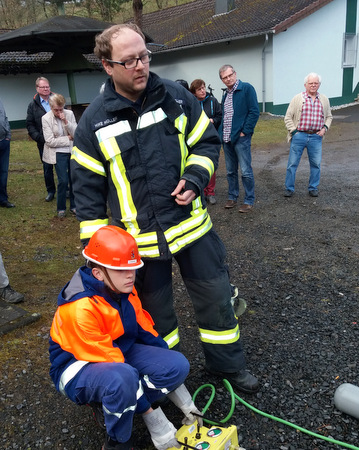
214, 438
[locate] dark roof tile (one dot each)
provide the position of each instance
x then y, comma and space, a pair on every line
187, 25
195, 23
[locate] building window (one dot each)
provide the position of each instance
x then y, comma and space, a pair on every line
350, 46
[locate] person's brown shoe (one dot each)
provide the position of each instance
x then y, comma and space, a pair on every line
230, 204
245, 208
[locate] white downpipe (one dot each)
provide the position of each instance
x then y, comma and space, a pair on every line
264, 74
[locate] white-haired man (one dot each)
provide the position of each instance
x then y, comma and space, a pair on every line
307, 119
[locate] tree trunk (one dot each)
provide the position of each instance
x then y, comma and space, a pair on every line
137, 12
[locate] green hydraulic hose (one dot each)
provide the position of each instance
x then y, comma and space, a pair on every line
258, 411
213, 392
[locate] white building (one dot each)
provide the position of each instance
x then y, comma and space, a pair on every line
273, 44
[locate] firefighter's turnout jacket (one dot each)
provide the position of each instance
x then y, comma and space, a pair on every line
133, 156
93, 325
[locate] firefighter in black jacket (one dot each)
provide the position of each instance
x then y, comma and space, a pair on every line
145, 148
37, 108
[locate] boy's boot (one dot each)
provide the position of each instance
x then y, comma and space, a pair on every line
110, 444
98, 414
163, 433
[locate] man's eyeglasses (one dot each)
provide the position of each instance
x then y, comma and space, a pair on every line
132, 63
228, 76
43, 87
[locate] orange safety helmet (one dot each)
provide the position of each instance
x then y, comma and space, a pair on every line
113, 248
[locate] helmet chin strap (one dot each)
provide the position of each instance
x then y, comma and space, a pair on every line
110, 281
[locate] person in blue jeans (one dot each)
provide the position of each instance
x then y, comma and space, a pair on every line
307, 119
58, 126
5, 136
240, 115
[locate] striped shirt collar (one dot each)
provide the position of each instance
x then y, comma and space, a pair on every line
230, 91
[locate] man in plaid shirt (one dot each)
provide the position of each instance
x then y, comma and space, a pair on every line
307, 119
240, 115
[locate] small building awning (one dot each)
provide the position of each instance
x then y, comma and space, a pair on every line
70, 32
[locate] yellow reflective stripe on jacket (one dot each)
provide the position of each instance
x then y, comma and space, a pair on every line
188, 230
219, 337
172, 339
150, 118
184, 152
181, 123
197, 217
87, 161
182, 241
147, 244
202, 161
88, 227
152, 252
197, 132
112, 152
197, 205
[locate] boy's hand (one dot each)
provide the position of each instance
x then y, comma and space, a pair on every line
192, 416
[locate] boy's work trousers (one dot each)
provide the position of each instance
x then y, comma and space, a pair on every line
124, 389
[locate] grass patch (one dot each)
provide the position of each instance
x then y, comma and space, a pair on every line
269, 131
40, 251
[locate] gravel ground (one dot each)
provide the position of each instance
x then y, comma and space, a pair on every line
295, 262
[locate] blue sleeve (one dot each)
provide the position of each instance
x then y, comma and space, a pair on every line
147, 338
253, 110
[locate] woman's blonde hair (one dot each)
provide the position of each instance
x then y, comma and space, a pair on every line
57, 99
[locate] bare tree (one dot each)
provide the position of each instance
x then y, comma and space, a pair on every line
137, 12
10, 18
18, 13
159, 4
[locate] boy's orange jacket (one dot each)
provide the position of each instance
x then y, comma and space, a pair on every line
93, 325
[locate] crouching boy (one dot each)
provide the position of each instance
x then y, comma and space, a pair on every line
104, 349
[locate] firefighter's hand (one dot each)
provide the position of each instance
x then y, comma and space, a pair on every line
183, 197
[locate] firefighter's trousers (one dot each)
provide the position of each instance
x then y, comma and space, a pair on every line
205, 276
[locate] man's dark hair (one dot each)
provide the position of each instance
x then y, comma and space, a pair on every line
103, 47
183, 83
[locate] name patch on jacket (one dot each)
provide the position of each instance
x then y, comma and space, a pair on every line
181, 102
104, 123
